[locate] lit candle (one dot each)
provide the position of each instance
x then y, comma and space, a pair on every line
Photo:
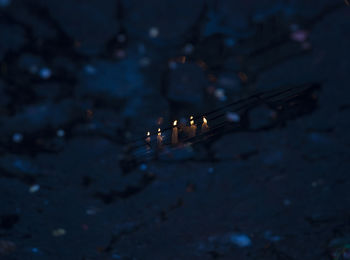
159, 138
148, 138
205, 126
174, 135
193, 127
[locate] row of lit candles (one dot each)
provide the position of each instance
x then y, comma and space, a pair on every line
175, 133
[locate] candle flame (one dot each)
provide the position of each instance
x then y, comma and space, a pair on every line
175, 123
191, 120
148, 133
159, 133
204, 120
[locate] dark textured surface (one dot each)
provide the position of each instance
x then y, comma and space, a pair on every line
80, 79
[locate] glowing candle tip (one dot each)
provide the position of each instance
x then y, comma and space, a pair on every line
191, 120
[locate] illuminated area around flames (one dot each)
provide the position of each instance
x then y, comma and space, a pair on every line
190, 131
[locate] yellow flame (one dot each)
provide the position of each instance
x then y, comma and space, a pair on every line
191, 120
175, 123
159, 133
204, 120
148, 133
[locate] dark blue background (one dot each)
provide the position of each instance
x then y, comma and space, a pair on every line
80, 79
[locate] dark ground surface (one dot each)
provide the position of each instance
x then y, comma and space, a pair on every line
80, 79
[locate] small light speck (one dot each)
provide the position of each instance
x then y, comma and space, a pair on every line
160, 120
34, 188
220, 94
233, 117
45, 73
269, 236
240, 240
120, 54
299, 35
144, 62
188, 49
17, 137
229, 42
60, 133
242, 76
91, 211
153, 32
143, 167
89, 69
286, 202
58, 232
35, 250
